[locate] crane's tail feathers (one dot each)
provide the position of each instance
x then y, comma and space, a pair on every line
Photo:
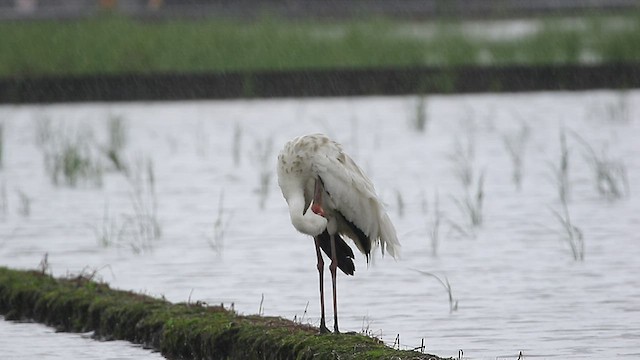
344, 253
388, 238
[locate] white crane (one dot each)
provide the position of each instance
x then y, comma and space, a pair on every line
314, 172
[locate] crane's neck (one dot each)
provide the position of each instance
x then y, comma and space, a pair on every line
307, 222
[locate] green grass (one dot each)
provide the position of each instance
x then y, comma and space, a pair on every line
179, 331
116, 44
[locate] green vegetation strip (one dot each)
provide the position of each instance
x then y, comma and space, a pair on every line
179, 331
112, 44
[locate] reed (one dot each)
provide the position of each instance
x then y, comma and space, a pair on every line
570, 233
515, 144
453, 302
70, 155
262, 156
106, 233
141, 227
117, 140
560, 171
236, 147
420, 118
462, 159
470, 206
609, 175
24, 203
220, 225
434, 226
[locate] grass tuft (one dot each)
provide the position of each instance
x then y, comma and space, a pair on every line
262, 156
237, 145
142, 227
24, 207
453, 302
434, 226
117, 131
610, 175
560, 172
70, 157
420, 118
570, 233
470, 206
220, 225
515, 144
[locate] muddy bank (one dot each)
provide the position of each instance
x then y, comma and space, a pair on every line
313, 83
178, 331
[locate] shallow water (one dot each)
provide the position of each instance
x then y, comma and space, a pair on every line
36, 341
517, 285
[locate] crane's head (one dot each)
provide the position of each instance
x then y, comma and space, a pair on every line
309, 223
317, 209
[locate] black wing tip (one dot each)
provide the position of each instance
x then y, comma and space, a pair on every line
344, 253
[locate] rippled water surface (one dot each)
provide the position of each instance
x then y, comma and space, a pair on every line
23, 341
201, 175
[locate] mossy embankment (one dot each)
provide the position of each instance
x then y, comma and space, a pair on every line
178, 331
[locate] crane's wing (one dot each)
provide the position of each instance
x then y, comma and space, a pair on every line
354, 196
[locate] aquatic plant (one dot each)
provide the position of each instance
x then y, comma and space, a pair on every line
420, 116
609, 175
470, 206
612, 112
453, 302
236, 148
262, 155
515, 144
106, 234
142, 227
560, 172
117, 140
70, 157
619, 110
434, 226
462, 159
570, 233
220, 225
24, 207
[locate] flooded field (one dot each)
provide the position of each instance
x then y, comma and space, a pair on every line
518, 215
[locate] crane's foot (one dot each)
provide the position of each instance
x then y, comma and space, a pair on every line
324, 329
335, 330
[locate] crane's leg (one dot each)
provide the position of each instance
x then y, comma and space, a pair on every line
334, 267
323, 326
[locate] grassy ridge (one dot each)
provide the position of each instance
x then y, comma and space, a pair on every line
113, 44
184, 331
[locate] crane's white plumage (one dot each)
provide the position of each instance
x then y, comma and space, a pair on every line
314, 173
348, 191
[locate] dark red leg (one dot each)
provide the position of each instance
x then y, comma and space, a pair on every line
323, 326
334, 267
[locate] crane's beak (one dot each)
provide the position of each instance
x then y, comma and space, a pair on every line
317, 209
